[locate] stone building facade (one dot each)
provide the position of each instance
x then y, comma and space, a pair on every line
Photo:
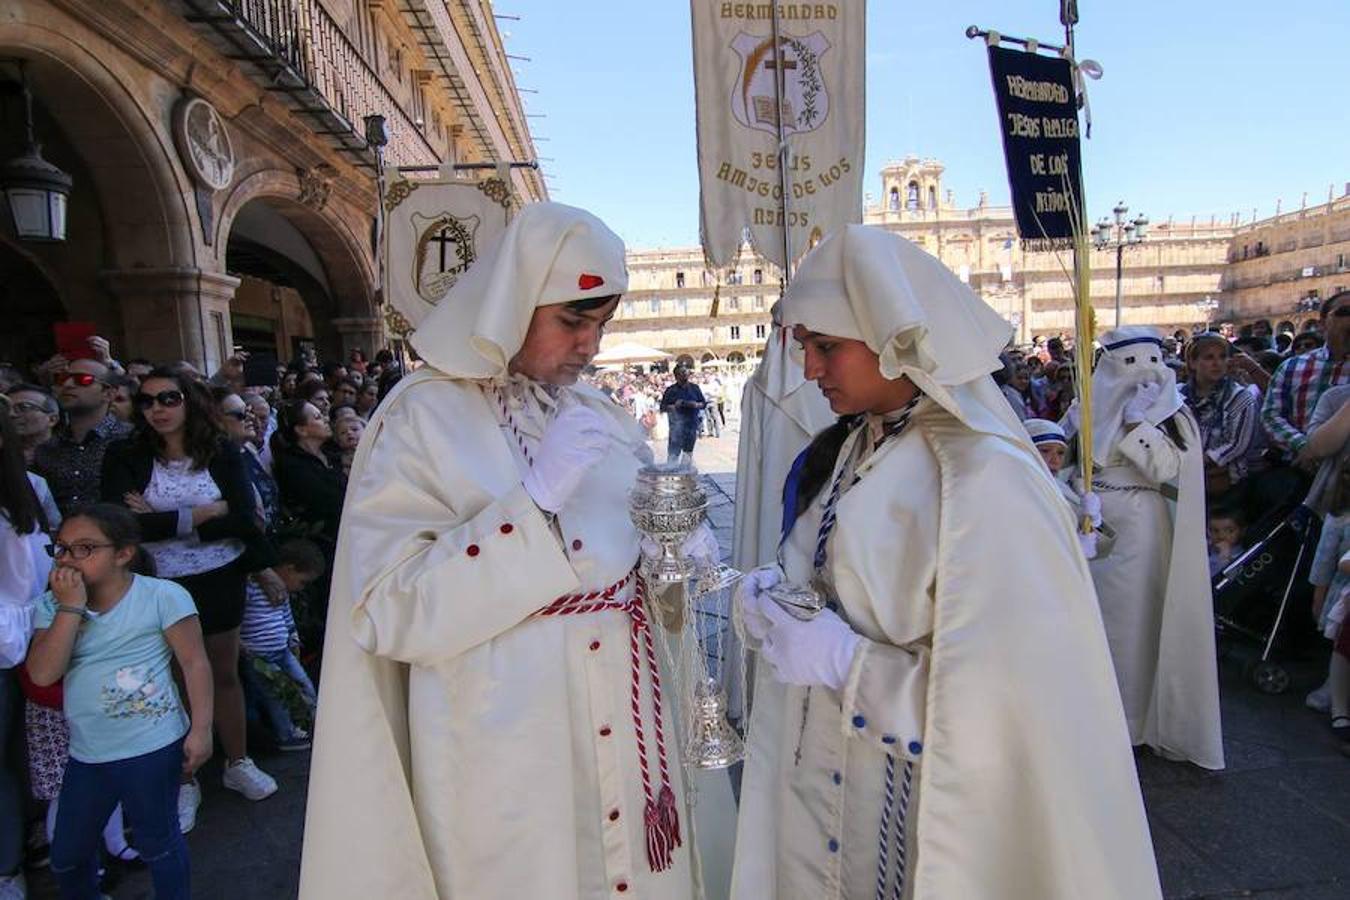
1280, 269
224, 192
1165, 280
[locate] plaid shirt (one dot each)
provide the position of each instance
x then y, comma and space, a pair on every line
1293, 394
74, 470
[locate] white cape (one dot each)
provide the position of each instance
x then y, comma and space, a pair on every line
1026, 788
1155, 593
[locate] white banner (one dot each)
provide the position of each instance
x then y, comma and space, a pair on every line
433, 231
737, 67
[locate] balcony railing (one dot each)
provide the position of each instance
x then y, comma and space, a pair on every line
298, 50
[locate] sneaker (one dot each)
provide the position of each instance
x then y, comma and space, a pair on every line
189, 798
1319, 700
299, 740
13, 887
246, 778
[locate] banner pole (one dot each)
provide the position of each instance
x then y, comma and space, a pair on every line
779, 73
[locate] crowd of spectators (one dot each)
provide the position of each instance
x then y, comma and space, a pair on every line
232, 488
675, 405
1274, 422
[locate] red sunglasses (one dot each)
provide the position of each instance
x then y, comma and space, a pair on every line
81, 379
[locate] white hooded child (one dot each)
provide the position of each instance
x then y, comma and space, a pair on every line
493, 725
1154, 588
1053, 446
950, 727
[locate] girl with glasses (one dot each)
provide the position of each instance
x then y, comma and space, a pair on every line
191, 495
110, 633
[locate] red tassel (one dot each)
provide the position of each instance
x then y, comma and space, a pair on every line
669, 817
658, 850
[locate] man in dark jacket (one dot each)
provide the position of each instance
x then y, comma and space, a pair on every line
683, 402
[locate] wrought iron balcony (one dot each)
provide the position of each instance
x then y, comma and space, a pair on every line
296, 49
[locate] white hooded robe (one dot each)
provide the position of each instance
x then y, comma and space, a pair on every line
983, 662
466, 748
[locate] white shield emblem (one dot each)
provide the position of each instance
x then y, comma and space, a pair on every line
806, 102
445, 249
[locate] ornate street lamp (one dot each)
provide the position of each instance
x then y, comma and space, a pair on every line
1207, 308
1119, 234
36, 191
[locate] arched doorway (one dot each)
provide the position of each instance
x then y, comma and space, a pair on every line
301, 279
128, 264
736, 357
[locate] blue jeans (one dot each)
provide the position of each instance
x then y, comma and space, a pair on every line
258, 688
147, 788
683, 433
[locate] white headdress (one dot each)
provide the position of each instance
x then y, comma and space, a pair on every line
1043, 431
924, 324
1131, 356
549, 254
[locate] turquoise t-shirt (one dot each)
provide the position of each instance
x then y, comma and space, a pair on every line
120, 697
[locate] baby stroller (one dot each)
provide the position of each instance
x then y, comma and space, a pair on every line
1253, 594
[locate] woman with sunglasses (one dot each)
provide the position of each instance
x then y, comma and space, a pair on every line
195, 504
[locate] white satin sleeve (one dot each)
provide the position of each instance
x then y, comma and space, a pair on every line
885, 698
445, 555
450, 591
1152, 452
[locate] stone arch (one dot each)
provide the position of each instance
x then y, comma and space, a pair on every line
124, 147
341, 301
349, 268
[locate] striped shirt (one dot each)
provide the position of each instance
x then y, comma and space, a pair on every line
266, 628
1294, 391
1227, 419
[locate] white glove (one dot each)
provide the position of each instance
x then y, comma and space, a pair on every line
700, 546
1138, 405
1092, 508
571, 446
749, 599
818, 652
1089, 544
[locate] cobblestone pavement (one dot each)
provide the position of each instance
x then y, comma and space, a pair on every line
1275, 824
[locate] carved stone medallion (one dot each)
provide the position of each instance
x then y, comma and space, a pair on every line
203, 143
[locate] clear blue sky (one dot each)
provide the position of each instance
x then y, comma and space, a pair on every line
1207, 106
